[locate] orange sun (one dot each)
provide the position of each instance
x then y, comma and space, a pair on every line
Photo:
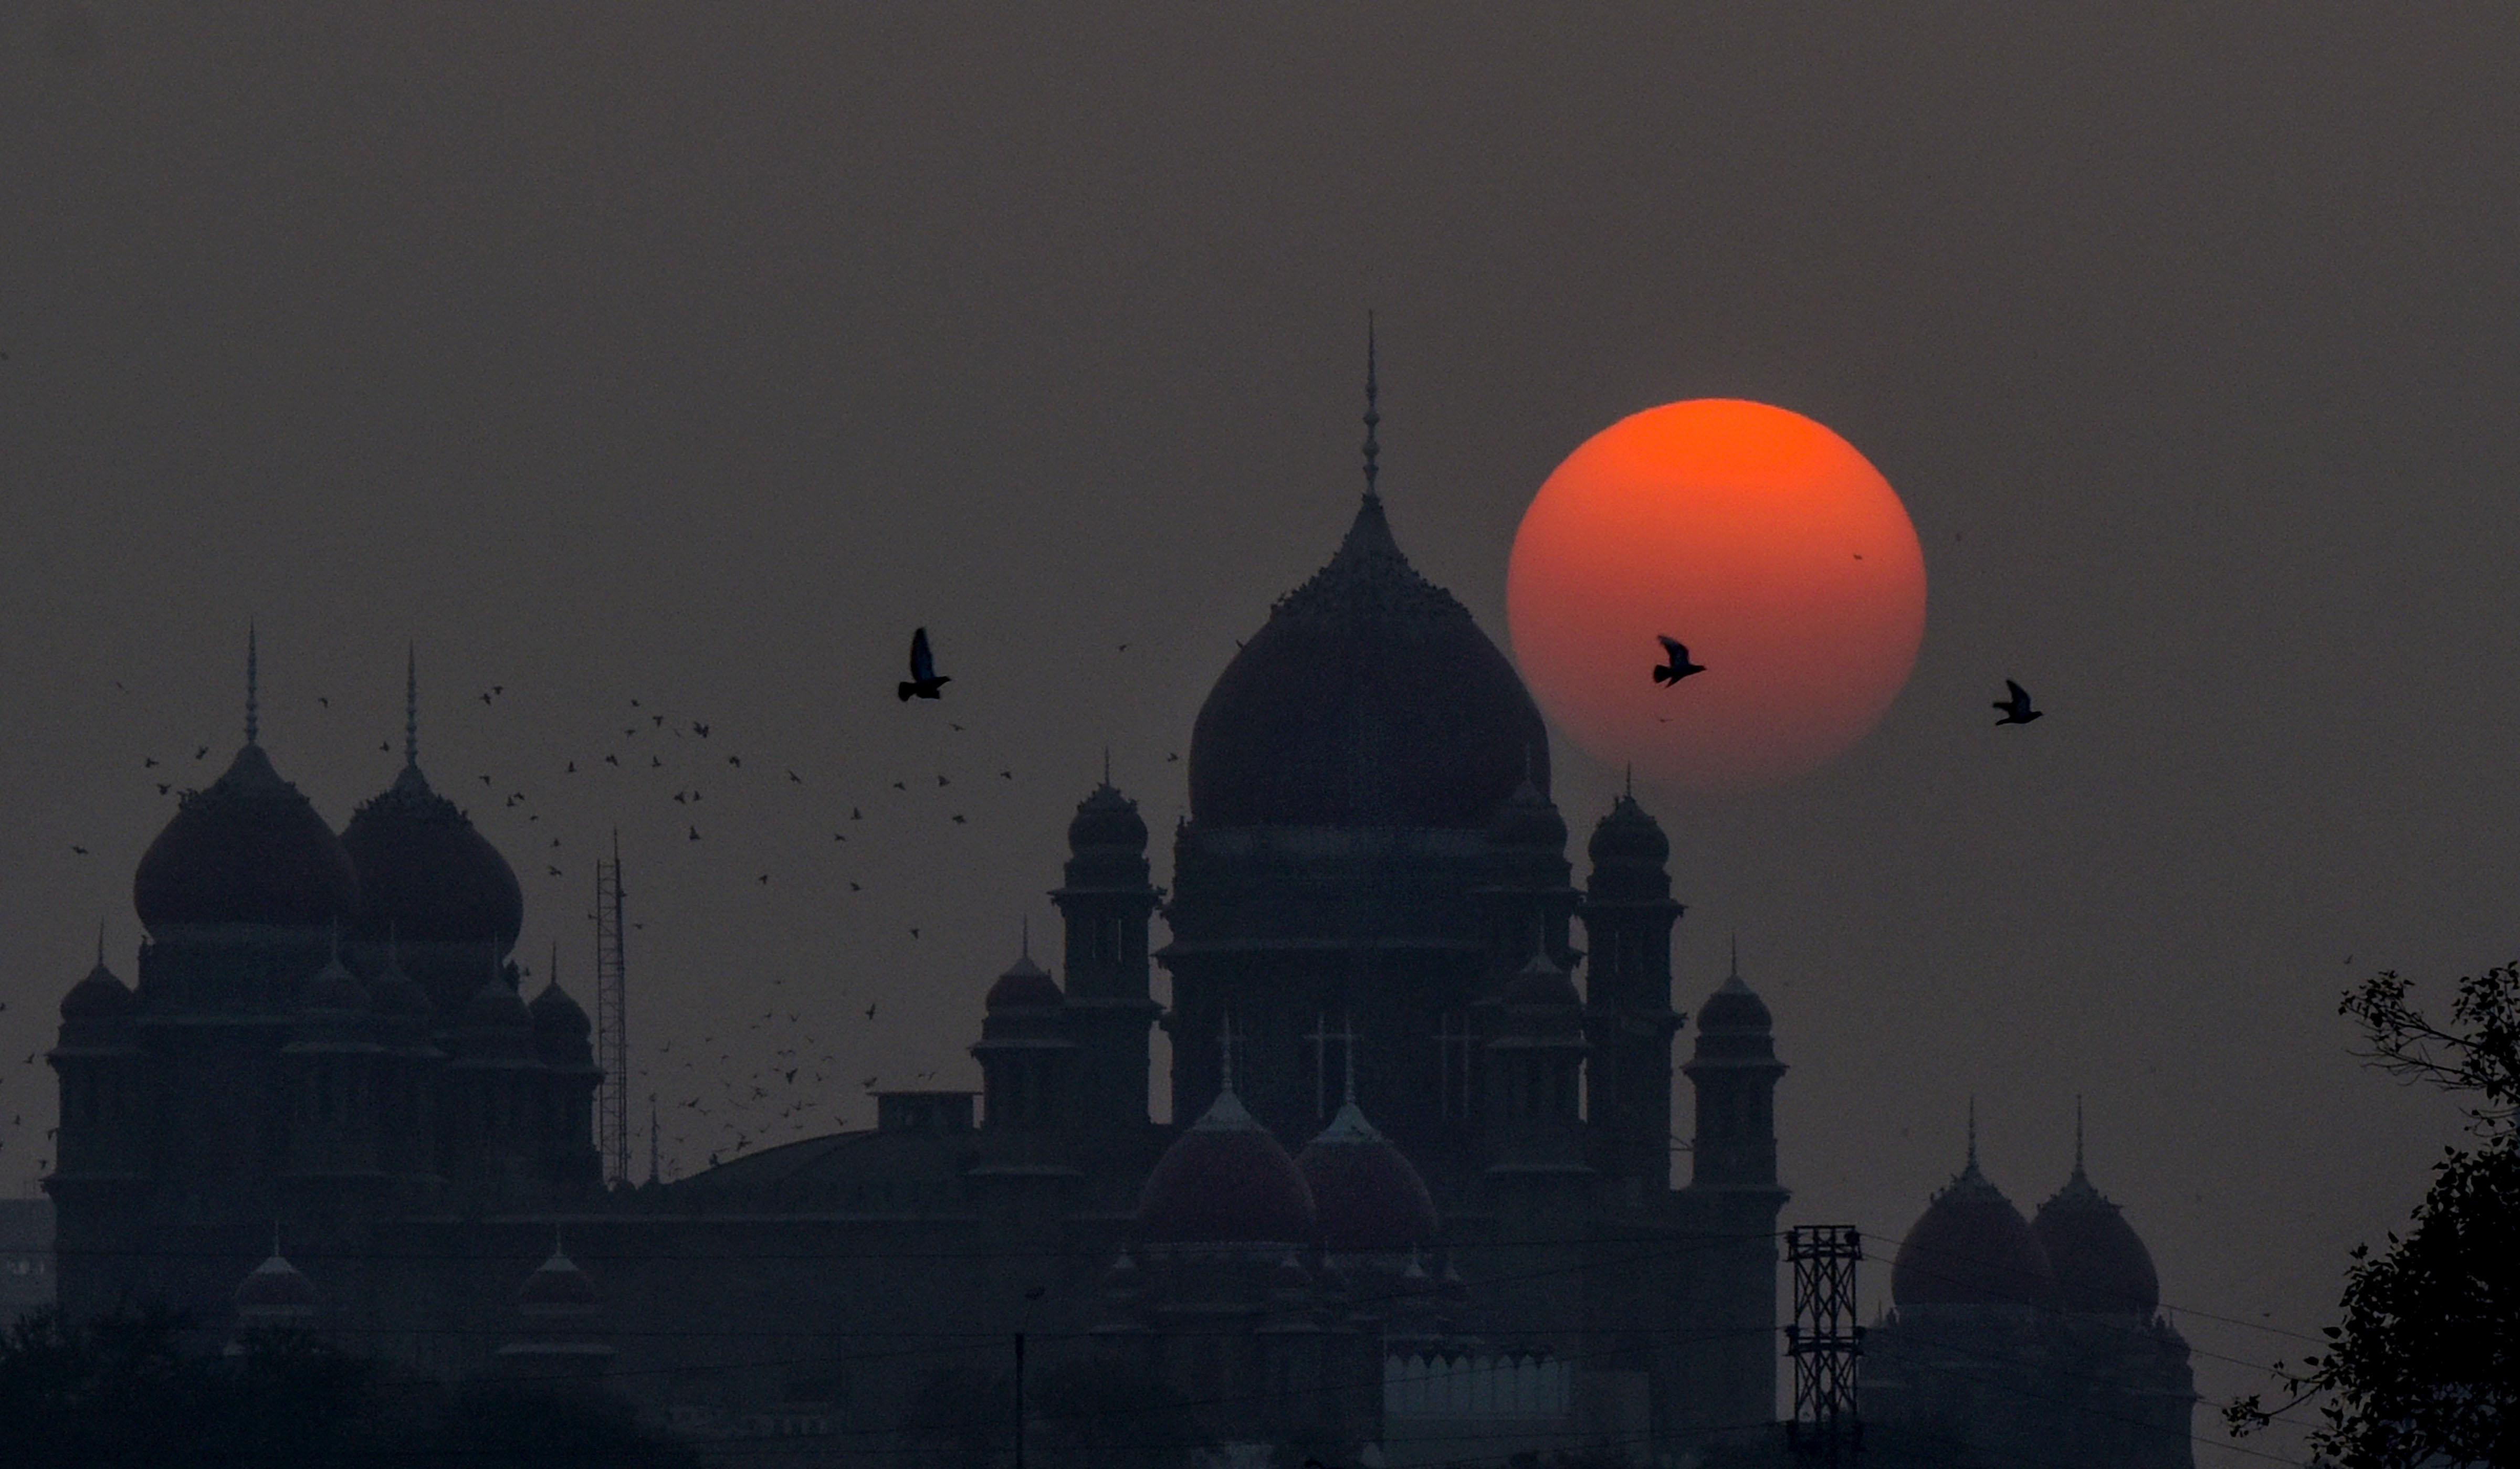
1758, 538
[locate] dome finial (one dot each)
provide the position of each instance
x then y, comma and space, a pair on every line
1348, 1053
1373, 416
1025, 933
100, 963
1225, 1047
1736, 975
2077, 1134
1106, 765
411, 707
252, 712
1973, 1132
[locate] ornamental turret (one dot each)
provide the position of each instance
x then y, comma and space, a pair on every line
1628, 914
1110, 1011
1734, 1071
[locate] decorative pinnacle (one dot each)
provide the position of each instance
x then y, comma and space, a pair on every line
100, 963
1348, 1051
1736, 957
2077, 1134
1026, 931
411, 707
1972, 1129
1224, 1045
1373, 416
253, 711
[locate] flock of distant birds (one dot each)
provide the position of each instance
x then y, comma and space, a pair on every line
753, 1109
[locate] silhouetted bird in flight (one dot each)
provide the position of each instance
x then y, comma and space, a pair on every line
695, 834
148, 760
1676, 665
202, 753
2017, 709
925, 681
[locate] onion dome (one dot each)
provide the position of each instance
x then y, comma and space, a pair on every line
1733, 1007
1366, 1196
1368, 698
1106, 820
1225, 1182
1971, 1248
561, 1026
426, 875
1024, 983
2100, 1263
250, 849
99, 997
556, 1283
275, 1290
1629, 836
1541, 983
1528, 819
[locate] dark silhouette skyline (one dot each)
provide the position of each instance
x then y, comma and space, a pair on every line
618, 355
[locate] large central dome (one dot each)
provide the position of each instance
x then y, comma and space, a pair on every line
1370, 699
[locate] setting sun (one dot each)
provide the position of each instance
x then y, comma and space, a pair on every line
1757, 536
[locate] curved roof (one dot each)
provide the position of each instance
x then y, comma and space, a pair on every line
1367, 1198
250, 849
1971, 1248
1368, 698
1226, 1180
274, 1285
426, 875
102, 996
2100, 1264
1024, 983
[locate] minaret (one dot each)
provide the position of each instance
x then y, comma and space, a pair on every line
1106, 902
1627, 913
1734, 1071
1024, 1059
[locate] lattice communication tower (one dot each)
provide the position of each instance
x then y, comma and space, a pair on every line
1825, 1343
611, 1040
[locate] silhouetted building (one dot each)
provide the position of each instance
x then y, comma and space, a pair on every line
1433, 1204
2039, 1341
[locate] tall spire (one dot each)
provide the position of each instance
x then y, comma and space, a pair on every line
410, 707
2077, 1134
2077, 1123
1736, 975
1373, 416
1973, 1132
253, 710
1225, 1051
1026, 932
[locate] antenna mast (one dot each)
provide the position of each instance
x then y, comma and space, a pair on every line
612, 1046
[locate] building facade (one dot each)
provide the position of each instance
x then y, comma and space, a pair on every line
1417, 1198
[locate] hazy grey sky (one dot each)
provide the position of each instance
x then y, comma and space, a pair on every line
693, 354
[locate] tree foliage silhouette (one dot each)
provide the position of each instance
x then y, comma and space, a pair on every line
2425, 1366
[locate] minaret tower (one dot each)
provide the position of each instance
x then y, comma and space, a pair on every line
1734, 1071
1106, 902
1627, 913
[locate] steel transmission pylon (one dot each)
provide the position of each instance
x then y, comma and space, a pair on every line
1825, 1343
611, 1039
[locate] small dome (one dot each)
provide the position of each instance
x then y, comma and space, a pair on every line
1528, 819
496, 1006
1024, 983
561, 1026
276, 1287
332, 988
1106, 818
1541, 982
99, 997
250, 849
1629, 836
556, 1282
1366, 1196
1225, 1182
1370, 698
2100, 1262
426, 875
1971, 1248
1733, 1007
398, 994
